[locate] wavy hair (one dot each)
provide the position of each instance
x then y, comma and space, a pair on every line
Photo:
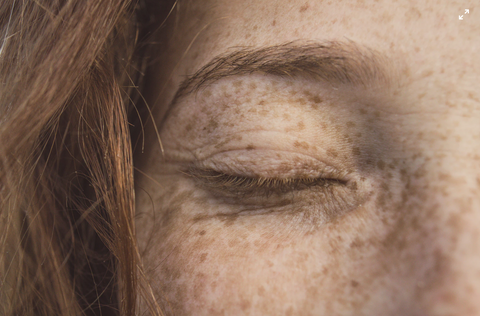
68, 76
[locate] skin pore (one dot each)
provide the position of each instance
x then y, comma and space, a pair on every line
370, 200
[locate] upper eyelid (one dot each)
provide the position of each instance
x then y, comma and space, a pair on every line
216, 179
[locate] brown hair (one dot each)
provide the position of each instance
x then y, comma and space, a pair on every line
66, 173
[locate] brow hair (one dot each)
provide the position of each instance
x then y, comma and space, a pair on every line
334, 62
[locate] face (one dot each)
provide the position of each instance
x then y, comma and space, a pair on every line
323, 160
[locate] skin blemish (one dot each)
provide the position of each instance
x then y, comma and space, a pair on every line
316, 99
250, 147
189, 127
304, 8
212, 125
381, 165
261, 290
300, 144
356, 151
207, 93
332, 152
202, 257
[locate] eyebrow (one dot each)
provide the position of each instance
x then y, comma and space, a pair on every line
334, 62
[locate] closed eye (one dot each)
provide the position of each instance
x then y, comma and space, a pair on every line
242, 186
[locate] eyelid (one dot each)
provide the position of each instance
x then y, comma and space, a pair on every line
272, 164
249, 186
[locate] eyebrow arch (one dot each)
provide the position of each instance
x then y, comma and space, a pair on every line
334, 62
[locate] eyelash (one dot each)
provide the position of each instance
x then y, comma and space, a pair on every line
245, 187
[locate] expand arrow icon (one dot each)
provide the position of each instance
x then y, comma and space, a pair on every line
467, 11
460, 17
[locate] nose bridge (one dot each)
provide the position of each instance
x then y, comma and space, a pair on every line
452, 191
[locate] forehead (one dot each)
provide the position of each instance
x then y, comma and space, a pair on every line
426, 35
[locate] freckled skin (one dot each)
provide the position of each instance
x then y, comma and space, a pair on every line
405, 239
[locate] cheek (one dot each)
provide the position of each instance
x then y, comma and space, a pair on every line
258, 265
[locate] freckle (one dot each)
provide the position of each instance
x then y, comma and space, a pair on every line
248, 35
356, 151
357, 243
263, 112
207, 93
316, 99
237, 83
362, 111
274, 22
299, 144
444, 176
381, 200
354, 283
304, 8
261, 290
203, 256
189, 127
353, 186
427, 73
233, 242
450, 104
301, 126
201, 233
289, 311
332, 153
261, 102
244, 305
302, 101
250, 147
228, 220
380, 164
255, 28
253, 85
350, 124
212, 124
